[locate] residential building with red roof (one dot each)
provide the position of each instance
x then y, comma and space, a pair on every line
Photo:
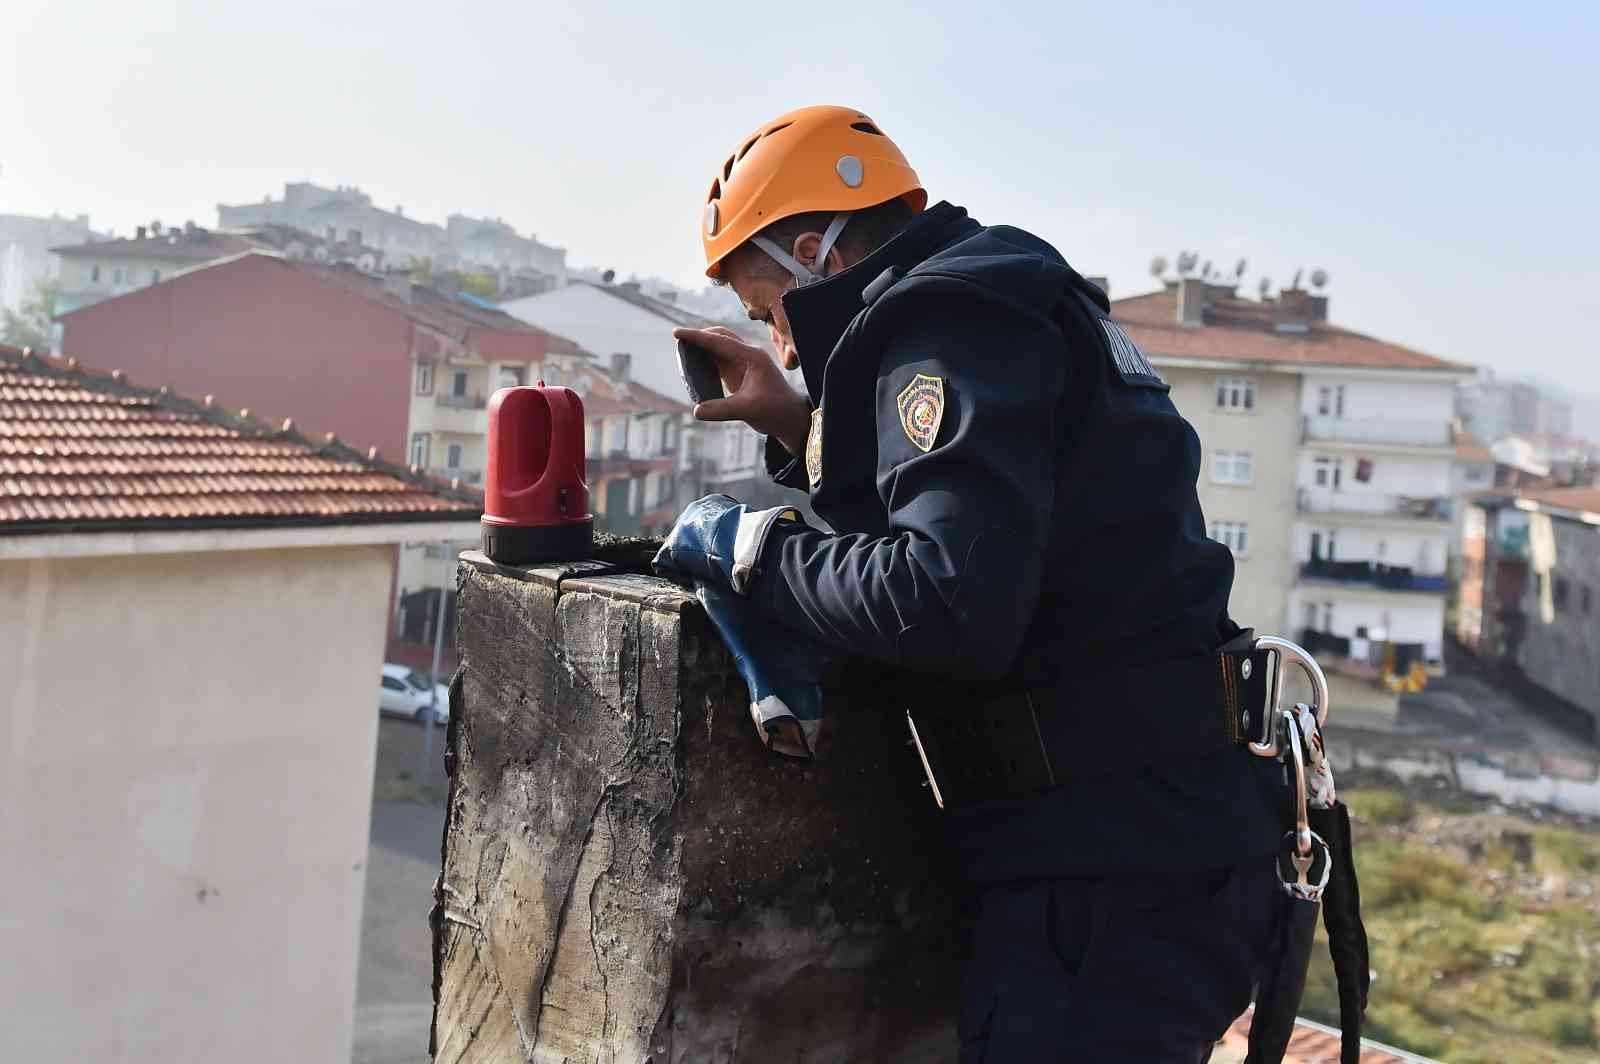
376, 360
195, 614
1329, 466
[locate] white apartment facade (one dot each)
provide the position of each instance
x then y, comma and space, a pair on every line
608, 319
26, 260
1329, 463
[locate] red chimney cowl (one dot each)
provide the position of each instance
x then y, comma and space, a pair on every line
535, 498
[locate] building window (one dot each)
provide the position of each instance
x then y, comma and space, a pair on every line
458, 384
155, 276
1233, 467
1235, 535
452, 456
116, 275
1338, 401
1324, 400
419, 448
1558, 594
94, 274
1236, 393
1327, 472
424, 378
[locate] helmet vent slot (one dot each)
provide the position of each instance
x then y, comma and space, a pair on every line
867, 127
727, 168
776, 129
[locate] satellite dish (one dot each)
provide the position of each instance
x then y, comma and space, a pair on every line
608, 276
1264, 286
1238, 269
1319, 278
1206, 272
1296, 282
1158, 266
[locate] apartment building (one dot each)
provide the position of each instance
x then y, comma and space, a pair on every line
613, 318
348, 213
26, 260
1530, 581
1330, 461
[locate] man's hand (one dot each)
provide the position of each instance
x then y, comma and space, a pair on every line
757, 392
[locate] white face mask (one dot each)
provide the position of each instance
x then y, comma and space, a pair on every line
804, 274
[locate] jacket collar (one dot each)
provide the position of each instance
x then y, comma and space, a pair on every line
820, 313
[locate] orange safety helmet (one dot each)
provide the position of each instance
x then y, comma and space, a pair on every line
814, 159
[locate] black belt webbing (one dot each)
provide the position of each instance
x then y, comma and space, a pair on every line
1129, 719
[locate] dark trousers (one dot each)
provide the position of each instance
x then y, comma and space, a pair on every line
1148, 968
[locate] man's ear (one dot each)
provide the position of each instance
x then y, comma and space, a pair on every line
805, 249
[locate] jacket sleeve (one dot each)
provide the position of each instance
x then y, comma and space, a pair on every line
954, 584
784, 468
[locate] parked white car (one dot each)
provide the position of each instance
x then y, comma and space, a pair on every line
404, 692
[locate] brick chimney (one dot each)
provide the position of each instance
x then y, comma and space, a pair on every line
1292, 312
621, 367
1191, 302
139, 233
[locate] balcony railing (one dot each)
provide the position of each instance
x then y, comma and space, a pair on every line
466, 476
460, 402
1373, 574
1375, 503
1377, 430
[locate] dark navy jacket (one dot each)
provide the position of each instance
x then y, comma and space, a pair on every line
1047, 529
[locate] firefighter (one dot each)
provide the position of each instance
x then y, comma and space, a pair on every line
1016, 537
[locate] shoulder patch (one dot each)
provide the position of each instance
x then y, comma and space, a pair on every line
814, 449
1130, 361
922, 410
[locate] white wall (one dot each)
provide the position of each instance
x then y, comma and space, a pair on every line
1405, 618
1392, 474
188, 745
1421, 547
1369, 398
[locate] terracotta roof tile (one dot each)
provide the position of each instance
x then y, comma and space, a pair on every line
1577, 499
1313, 1044
87, 450
1242, 330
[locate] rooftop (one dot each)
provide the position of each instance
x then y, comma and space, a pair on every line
628, 292
181, 245
607, 397
84, 450
454, 317
1468, 447
1245, 331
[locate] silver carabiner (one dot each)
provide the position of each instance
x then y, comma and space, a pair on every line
1281, 650
1302, 819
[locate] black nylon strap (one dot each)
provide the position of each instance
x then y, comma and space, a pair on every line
1129, 719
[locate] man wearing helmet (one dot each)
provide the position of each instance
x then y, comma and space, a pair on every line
1016, 532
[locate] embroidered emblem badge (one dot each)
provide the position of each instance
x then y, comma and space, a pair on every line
814, 449
922, 410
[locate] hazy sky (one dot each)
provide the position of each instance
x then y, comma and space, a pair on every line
1440, 160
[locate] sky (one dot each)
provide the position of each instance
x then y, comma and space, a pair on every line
1439, 160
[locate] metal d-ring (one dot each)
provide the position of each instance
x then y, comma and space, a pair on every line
1281, 650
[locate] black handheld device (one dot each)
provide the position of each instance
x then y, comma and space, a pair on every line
699, 369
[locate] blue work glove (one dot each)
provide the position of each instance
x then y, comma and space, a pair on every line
783, 672
717, 541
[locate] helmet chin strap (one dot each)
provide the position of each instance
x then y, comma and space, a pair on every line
804, 274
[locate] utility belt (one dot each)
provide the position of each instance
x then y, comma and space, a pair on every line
1014, 745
